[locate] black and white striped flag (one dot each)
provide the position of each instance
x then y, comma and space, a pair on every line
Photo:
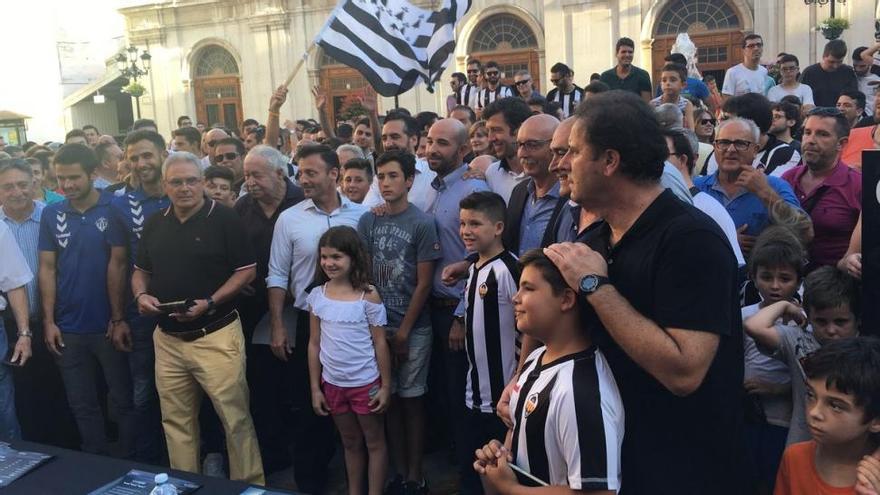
393, 43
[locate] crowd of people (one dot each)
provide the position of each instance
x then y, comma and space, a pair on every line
616, 288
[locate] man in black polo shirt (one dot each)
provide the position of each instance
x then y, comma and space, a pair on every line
196, 250
660, 279
269, 193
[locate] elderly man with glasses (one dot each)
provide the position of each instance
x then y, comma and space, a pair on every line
746, 192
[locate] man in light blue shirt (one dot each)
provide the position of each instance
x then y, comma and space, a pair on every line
292, 264
447, 146
745, 192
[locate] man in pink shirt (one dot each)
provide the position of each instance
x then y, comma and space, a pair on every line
828, 190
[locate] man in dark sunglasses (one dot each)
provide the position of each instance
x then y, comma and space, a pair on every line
209, 142
494, 90
524, 85
565, 92
229, 153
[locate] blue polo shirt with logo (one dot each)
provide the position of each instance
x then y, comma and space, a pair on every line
130, 213
745, 207
81, 243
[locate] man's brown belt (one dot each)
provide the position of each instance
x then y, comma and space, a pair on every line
212, 327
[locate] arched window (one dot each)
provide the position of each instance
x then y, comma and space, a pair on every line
502, 32
682, 16
215, 61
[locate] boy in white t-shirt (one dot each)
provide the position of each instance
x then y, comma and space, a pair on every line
749, 76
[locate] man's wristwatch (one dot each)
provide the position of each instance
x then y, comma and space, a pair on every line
25, 333
591, 283
210, 302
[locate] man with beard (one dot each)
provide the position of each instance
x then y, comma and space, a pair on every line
292, 262
467, 94
567, 94
447, 146
145, 150
828, 190
78, 243
400, 133
494, 90
625, 75
270, 192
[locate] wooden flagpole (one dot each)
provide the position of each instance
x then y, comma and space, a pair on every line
299, 64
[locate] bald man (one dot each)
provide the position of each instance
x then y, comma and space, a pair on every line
209, 142
536, 202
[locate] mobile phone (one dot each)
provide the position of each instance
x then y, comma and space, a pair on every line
176, 306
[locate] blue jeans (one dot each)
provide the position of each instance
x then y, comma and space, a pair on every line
9, 428
79, 362
141, 361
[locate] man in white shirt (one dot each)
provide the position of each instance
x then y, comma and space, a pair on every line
400, 133
14, 275
292, 263
749, 76
868, 81
503, 118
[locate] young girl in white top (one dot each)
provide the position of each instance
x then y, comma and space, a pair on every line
349, 361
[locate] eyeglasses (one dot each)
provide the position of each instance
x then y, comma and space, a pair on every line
225, 156
532, 145
523, 82
178, 183
755, 45
789, 69
707, 121
739, 144
492, 73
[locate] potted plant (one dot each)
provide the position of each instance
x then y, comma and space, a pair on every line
833, 27
135, 89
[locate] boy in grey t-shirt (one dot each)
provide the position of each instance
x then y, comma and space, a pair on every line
832, 302
403, 246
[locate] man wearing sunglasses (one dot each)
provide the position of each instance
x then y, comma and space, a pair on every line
229, 153
494, 90
566, 93
524, 86
209, 141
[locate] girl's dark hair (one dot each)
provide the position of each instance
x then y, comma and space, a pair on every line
346, 240
777, 246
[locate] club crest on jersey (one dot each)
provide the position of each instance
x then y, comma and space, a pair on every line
484, 289
102, 224
531, 404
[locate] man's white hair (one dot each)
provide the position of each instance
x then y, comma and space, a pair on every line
274, 158
749, 123
182, 156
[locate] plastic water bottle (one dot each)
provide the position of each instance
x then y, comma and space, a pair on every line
163, 486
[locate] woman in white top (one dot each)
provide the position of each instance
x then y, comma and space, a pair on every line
788, 67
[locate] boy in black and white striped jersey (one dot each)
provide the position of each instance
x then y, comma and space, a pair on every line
491, 338
566, 409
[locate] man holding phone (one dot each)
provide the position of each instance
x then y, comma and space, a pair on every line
14, 275
196, 250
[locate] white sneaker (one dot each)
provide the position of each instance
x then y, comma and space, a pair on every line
213, 465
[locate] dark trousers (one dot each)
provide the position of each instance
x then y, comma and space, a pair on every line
43, 411
271, 384
79, 363
448, 371
314, 437
479, 429
149, 436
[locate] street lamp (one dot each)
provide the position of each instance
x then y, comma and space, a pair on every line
132, 67
825, 2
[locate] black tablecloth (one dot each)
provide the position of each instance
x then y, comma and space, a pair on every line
76, 473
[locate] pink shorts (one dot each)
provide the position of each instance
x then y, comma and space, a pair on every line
344, 399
